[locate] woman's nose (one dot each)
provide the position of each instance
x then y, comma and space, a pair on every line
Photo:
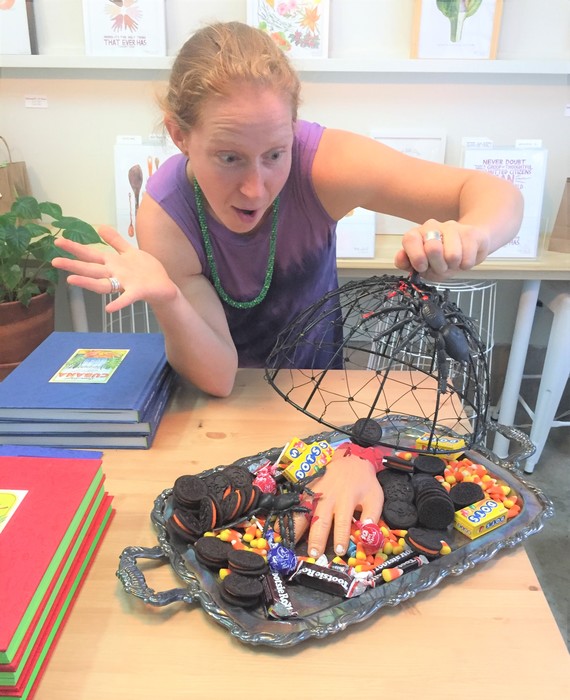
252, 185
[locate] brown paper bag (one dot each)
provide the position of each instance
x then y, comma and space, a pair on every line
14, 180
560, 236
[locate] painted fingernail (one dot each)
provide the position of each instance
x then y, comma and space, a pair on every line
313, 552
368, 521
339, 549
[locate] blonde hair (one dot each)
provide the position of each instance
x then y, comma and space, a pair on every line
218, 57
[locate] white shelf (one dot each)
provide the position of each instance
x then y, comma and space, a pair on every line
325, 65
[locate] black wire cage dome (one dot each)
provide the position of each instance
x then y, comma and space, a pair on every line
408, 340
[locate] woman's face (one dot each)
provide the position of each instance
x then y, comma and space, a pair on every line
240, 153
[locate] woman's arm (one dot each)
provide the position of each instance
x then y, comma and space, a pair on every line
475, 212
165, 273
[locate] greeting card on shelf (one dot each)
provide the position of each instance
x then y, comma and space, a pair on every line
14, 27
134, 28
299, 27
418, 143
526, 169
356, 234
456, 28
135, 161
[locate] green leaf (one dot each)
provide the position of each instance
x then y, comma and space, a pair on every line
78, 230
51, 209
10, 276
26, 208
44, 249
18, 239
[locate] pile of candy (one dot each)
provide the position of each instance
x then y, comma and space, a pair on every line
235, 510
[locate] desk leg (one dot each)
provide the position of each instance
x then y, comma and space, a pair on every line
517, 358
77, 309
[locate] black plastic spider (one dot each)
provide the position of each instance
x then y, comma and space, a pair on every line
447, 324
280, 507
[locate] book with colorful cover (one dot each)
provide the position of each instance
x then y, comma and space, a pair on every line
94, 435
59, 613
56, 382
36, 538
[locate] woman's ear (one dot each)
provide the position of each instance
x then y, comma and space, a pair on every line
177, 135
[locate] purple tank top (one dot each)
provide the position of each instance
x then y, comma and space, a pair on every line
305, 260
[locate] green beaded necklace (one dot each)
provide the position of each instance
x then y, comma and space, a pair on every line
210, 254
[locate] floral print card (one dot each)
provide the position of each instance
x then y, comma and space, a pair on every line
299, 27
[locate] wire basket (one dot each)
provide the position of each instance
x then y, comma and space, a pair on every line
408, 339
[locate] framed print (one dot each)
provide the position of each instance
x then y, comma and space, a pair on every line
299, 27
526, 169
428, 145
456, 28
124, 27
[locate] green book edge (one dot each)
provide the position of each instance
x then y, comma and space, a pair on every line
63, 610
7, 656
12, 677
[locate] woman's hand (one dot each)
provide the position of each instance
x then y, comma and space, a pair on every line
140, 275
458, 247
349, 484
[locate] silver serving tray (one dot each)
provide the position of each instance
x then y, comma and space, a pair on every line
322, 614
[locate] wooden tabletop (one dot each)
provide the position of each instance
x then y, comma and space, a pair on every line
549, 265
488, 631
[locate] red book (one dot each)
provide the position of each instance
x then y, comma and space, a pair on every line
10, 673
36, 533
36, 663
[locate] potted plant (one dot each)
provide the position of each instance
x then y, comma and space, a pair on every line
27, 279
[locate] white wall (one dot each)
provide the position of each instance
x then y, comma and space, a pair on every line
69, 146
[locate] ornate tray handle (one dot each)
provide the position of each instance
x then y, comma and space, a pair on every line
134, 581
523, 446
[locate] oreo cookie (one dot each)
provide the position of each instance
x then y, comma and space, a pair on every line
465, 494
243, 591
212, 552
218, 484
246, 563
238, 476
397, 486
424, 541
188, 491
399, 515
366, 432
429, 464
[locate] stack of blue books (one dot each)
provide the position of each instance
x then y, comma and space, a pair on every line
88, 390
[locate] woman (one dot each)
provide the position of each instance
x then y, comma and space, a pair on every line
237, 233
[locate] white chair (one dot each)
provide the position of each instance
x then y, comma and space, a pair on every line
136, 318
555, 372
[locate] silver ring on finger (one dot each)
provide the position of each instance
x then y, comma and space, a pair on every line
433, 236
115, 285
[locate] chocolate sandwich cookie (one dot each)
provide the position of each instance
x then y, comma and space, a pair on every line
396, 486
465, 494
185, 525
243, 591
246, 563
188, 490
399, 515
212, 552
218, 484
425, 541
428, 464
238, 476
436, 511
366, 432
209, 513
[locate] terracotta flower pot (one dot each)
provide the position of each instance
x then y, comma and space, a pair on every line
22, 329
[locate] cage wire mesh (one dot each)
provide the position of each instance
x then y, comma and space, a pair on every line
135, 318
408, 340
